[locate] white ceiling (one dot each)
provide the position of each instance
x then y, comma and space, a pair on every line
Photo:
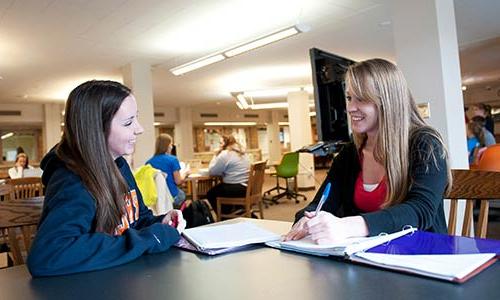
47, 47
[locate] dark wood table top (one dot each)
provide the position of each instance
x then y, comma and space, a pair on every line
22, 212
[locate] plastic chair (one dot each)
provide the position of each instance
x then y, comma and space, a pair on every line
490, 159
288, 168
253, 195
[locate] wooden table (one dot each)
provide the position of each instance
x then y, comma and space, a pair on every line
22, 214
195, 182
255, 273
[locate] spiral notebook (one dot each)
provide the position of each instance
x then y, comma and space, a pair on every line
439, 256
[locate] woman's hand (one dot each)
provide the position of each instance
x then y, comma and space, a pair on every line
298, 230
175, 219
326, 228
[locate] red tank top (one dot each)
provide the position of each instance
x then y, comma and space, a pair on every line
369, 201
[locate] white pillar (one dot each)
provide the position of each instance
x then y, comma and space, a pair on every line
301, 135
184, 134
273, 136
51, 125
427, 52
138, 77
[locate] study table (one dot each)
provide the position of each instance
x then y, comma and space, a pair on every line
20, 214
257, 273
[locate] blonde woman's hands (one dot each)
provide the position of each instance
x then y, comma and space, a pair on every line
175, 219
298, 230
326, 228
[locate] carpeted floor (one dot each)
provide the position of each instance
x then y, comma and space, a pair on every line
286, 209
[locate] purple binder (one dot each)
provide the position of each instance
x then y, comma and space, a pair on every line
422, 242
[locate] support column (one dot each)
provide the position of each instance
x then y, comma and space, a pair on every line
301, 135
138, 77
273, 137
51, 125
427, 52
184, 134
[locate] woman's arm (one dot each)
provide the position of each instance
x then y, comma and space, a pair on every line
65, 242
217, 165
422, 205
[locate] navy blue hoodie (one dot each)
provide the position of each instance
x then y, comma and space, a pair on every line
66, 241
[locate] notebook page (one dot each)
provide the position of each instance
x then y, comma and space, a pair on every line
437, 265
228, 235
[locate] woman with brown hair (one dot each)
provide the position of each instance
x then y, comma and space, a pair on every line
94, 216
393, 175
22, 163
169, 164
230, 162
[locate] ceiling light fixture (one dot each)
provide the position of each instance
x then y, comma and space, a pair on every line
230, 123
200, 63
7, 135
269, 105
236, 50
242, 100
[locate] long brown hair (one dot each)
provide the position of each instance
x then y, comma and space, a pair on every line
163, 142
83, 147
382, 83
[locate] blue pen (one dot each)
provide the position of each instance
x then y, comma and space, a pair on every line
322, 201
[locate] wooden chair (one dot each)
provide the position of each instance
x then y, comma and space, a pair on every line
253, 195
26, 187
6, 192
473, 185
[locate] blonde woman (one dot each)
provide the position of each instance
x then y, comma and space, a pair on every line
394, 174
230, 162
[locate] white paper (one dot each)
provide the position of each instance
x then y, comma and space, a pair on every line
228, 235
445, 266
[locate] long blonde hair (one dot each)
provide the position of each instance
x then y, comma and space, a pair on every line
380, 82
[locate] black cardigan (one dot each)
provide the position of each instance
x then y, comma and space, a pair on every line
423, 206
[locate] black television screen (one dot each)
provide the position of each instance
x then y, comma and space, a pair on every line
328, 72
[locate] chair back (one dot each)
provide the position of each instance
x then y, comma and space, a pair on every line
472, 185
255, 182
26, 187
490, 159
6, 192
289, 165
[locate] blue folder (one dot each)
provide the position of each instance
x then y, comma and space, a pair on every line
422, 242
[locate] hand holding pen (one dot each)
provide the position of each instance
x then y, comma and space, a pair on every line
299, 229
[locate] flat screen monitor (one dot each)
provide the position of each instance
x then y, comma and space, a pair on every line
328, 72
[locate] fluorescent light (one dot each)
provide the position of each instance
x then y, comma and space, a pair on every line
197, 64
241, 99
230, 123
283, 123
268, 39
278, 91
464, 87
7, 135
233, 51
312, 114
157, 123
269, 105
239, 105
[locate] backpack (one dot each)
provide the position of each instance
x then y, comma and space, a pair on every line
197, 213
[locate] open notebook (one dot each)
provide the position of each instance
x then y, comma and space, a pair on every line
216, 239
440, 256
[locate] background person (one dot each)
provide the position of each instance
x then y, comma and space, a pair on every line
230, 162
393, 175
93, 215
169, 164
22, 163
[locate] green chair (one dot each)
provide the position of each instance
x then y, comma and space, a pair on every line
288, 168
